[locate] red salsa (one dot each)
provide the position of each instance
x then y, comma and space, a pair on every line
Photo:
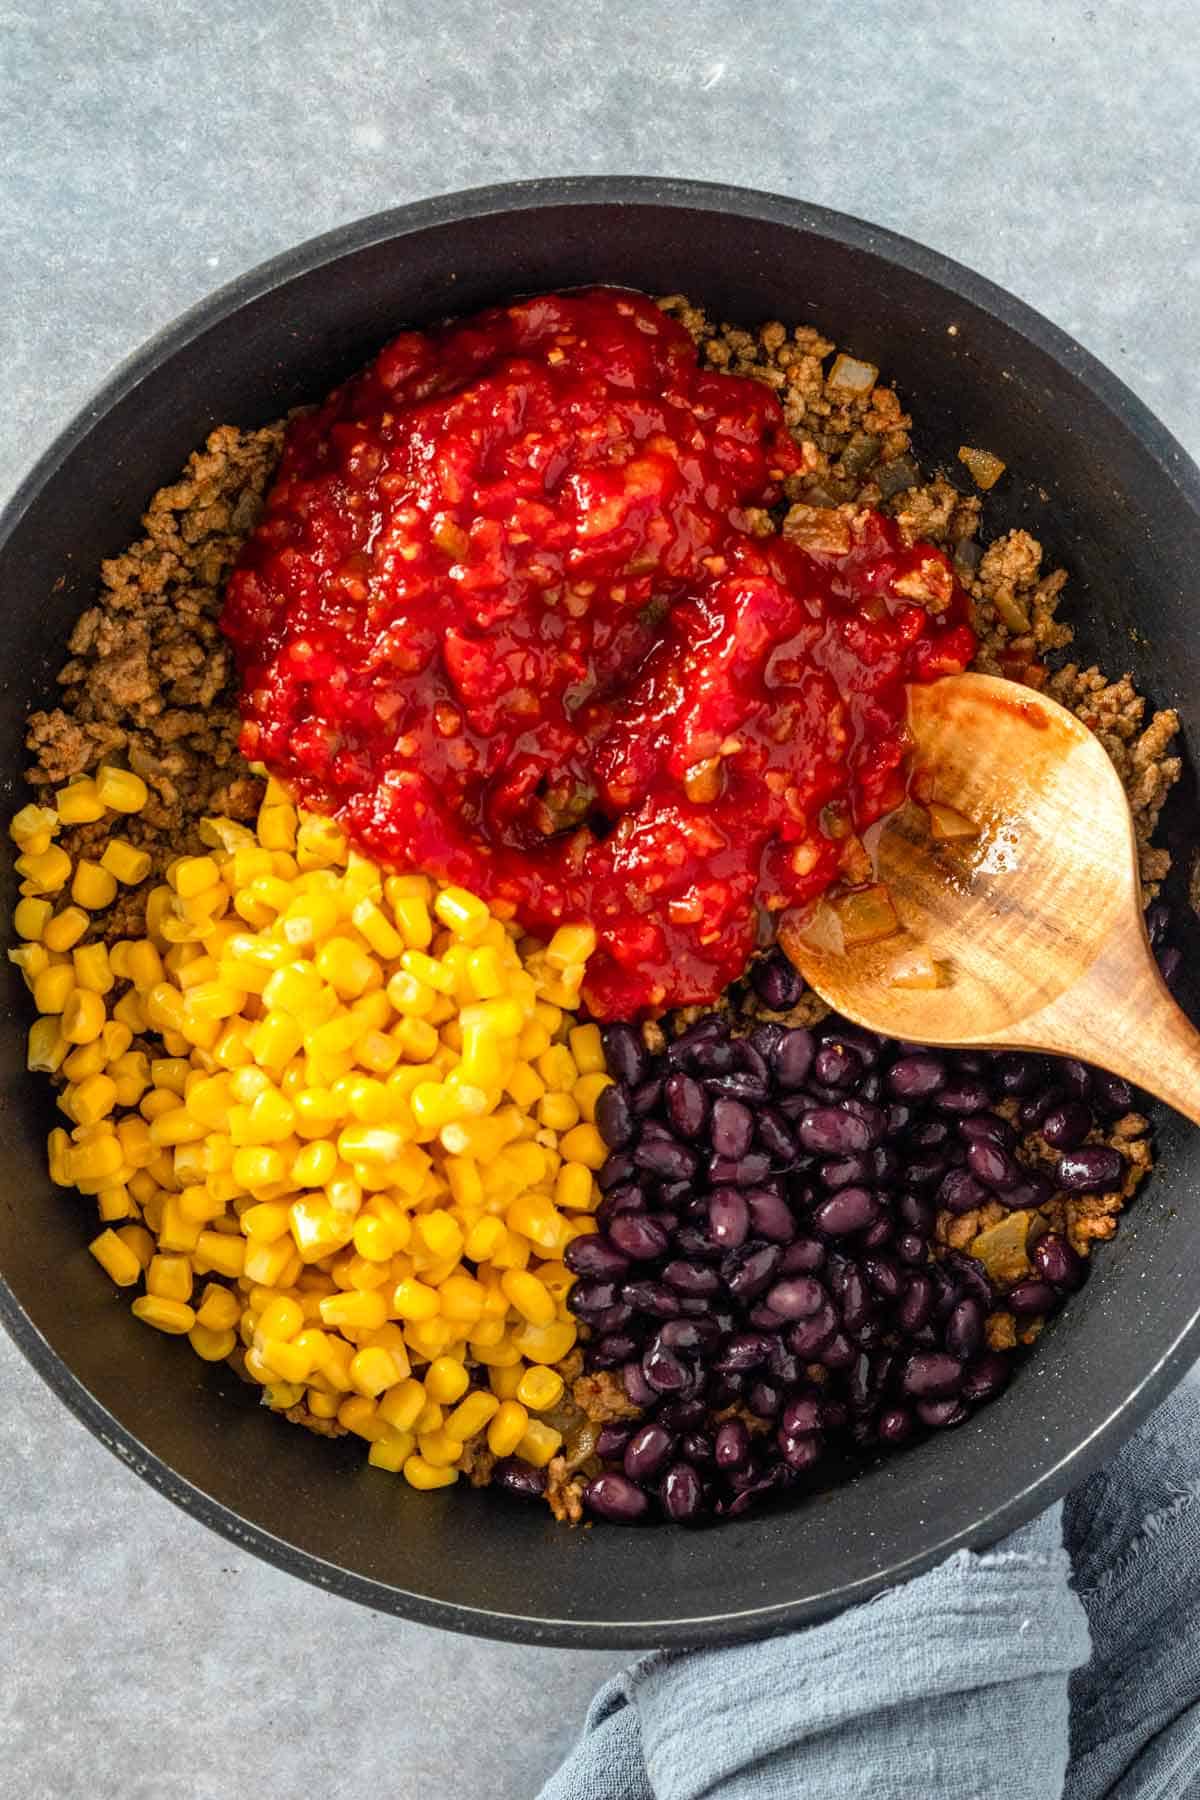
506, 617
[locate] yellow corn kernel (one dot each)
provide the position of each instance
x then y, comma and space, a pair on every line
218, 1309
535, 1217
83, 1017
124, 863
93, 1099
587, 1047
412, 918
446, 1380
507, 1428
314, 1164
219, 1253
403, 1404
322, 1406
372, 1371
281, 1318
414, 1300
574, 1188
191, 875
33, 822
365, 1311
526, 1293
87, 1060
79, 803
65, 929
277, 827
348, 969
212, 1345
540, 1388
138, 1239
53, 988
94, 886
505, 1379
92, 969
558, 1112
587, 1091
545, 1343
130, 1011
120, 790
169, 1277
556, 1066
115, 1203
464, 913
470, 1417
360, 1415
462, 1298
391, 1453
539, 1443
45, 872
439, 1448
423, 1475
31, 917
174, 1317
116, 1259
584, 1145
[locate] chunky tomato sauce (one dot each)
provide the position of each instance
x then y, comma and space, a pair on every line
504, 615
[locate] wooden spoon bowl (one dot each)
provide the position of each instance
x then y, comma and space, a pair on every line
1034, 922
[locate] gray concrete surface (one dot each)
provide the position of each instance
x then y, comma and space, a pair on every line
153, 151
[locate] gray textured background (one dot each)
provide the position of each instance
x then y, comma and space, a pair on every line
151, 151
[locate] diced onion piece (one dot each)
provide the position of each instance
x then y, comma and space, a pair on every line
852, 377
866, 915
946, 824
702, 783
984, 469
1003, 1249
1012, 613
917, 970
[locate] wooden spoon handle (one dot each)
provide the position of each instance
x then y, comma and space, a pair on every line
1122, 1017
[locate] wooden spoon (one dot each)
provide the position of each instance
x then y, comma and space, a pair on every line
1034, 924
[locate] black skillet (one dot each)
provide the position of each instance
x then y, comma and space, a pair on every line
1092, 473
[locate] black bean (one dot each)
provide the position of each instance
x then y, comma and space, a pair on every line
1066, 1126
967, 1275
931, 1375
803, 1413
796, 1296
613, 1438
640, 1236
986, 1377
1031, 1298
929, 1134
837, 1065
965, 1096
925, 1169
838, 1353
1034, 1189
685, 1277
732, 1445
776, 982
612, 1350
1057, 1262
682, 1493
614, 1117
885, 1276
916, 1077
749, 1269
794, 1058
858, 1308
918, 1212
588, 1298
731, 1128
960, 1191
636, 1385
646, 1099
613, 1318
1095, 1169
1110, 1094
728, 1218
744, 1350
911, 1248
845, 1171
625, 1053
739, 1084
686, 1104
764, 1399
616, 1170
942, 1414
666, 1158
806, 1337
1158, 918
648, 1451
775, 1135
894, 1425
517, 1478
707, 1030
614, 1497
989, 1126
851, 1210
1170, 964
694, 1243
697, 1446
767, 1038
770, 1215
1075, 1076
800, 1450
802, 1256
963, 1330
666, 1372
1018, 1073
993, 1165
653, 1298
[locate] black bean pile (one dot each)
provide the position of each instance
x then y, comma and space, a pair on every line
765, 1280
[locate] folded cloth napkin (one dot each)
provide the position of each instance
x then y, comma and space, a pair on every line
959, 1684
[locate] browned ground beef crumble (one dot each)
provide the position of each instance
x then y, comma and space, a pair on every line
150, 678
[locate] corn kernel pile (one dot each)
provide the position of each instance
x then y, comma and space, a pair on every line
339, 1124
